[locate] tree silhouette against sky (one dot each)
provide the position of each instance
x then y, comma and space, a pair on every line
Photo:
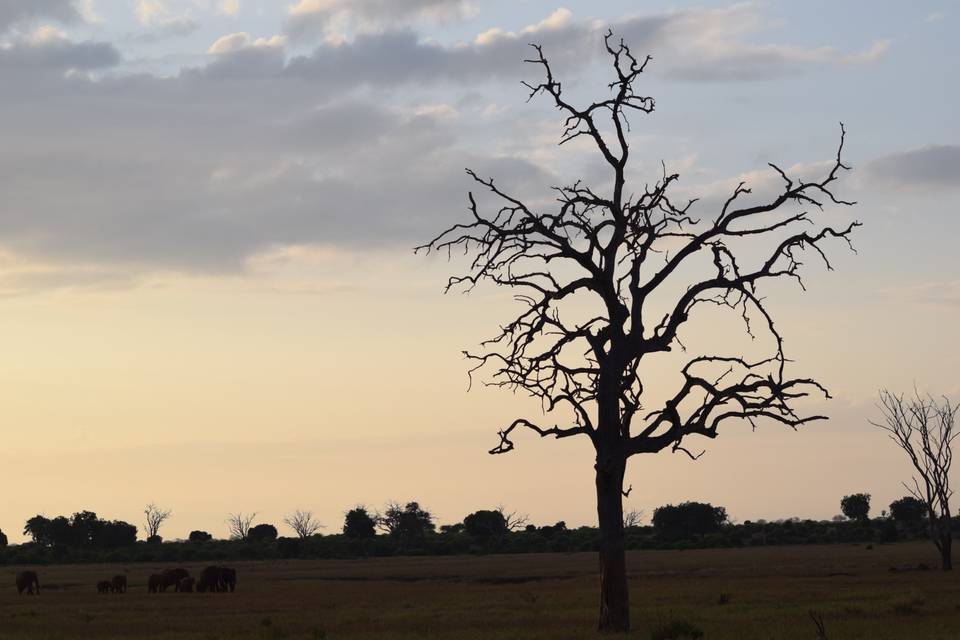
586, 273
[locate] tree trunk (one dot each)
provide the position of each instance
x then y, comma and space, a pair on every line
614, 599
946, 545
942, 537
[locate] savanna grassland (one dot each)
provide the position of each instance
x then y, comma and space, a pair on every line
770, 589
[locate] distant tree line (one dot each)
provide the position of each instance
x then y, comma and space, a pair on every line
410, 529
83, 529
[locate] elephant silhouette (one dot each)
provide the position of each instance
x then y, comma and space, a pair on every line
28, 581
154, 582
119, 584
172, 578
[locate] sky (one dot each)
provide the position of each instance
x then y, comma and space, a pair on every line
209, 298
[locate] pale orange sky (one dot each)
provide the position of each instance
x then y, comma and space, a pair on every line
217, 395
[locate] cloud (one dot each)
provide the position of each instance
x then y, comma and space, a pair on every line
14, 12
700, 45
332, 18
191, 175
933, 166
251, 151
238, 55
229, 7
47, 48
163, 21
239, 41
719, 45
871, 55
19, 276
945, 293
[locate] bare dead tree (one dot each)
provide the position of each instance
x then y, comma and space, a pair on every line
302, 523
632, 518
239, 525
590, 275
514, 521
155, 517
389, 521
924, 429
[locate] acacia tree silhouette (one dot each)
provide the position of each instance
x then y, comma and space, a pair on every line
615, 251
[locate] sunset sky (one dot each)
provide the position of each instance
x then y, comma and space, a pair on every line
209, 298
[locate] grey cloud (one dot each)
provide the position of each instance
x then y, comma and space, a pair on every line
20, 11
693, 45
400, 57
305, 20
191, 175
57, 54
176, 27
247, 62
935, 166
203, 170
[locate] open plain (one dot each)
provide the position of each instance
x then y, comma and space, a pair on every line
878, 593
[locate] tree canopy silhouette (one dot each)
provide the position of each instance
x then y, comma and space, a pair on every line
613, 251
358, 523
856, 506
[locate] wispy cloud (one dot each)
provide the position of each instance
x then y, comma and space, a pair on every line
932, 166
334, 19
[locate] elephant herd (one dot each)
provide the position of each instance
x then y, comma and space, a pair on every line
212, 579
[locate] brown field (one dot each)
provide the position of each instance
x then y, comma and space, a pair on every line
552, 596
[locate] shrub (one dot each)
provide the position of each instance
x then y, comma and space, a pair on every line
688, 519
262, 533
485, 525
358, 523
200, 536
676, 630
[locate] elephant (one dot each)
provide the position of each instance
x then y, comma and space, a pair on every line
154, 582
28, 581
104, 586
172, 577
228, 579
186, 585
119, 584
209, 580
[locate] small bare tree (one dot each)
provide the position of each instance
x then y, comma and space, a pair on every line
514, 521
302, 523
239, 525
155, 517
924, 429
632, 518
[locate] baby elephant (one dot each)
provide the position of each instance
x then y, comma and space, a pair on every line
186, 585
104, 586
29, 582
119, 584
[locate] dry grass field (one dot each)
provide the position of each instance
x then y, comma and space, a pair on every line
544, 596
